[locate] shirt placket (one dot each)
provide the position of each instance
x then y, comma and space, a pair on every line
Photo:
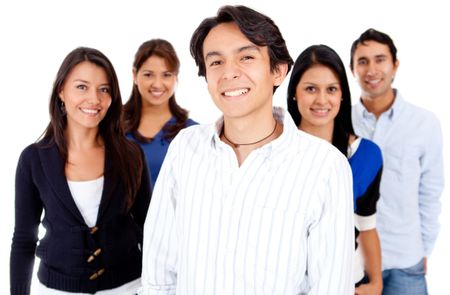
232, 203
379, 135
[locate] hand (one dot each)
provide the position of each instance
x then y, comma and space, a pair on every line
372, 288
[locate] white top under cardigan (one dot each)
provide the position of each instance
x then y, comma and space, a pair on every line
87, 196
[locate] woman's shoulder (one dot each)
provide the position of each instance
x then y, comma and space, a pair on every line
368, 152
190, 122
31, 155
370, 145
33, 148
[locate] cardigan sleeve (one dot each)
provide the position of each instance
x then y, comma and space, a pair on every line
142, 201
28, 210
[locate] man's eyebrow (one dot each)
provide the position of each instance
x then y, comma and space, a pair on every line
241, 49
380, 55
376, 56
249, 47
211, 54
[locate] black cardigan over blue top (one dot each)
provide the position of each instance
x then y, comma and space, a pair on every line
70, 259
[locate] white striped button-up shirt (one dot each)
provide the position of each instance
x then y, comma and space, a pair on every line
281, 223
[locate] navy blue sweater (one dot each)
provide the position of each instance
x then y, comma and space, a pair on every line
69, 251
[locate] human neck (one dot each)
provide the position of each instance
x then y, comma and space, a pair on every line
153, 119
245, 135
237, 145
83, 138
156, 111
248, 129
378, 104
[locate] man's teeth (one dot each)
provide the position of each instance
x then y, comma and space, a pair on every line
373, 81
236, 92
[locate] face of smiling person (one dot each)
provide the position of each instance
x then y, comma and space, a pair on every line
155, 81
318, 95
238, 73
374, 69
86, 95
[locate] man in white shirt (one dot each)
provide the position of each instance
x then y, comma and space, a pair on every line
249, 205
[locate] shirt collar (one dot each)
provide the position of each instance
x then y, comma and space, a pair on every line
391, 113
397, 106
279, 114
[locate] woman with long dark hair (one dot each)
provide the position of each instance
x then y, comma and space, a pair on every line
91, 184
319, 101
152, 115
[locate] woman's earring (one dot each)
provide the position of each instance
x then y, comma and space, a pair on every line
62, 108
293, 98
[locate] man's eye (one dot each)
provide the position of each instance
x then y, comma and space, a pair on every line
215, 63
247, 57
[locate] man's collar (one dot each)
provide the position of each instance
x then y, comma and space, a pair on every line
279, 114
393, 111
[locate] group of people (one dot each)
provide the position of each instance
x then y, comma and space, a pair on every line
323, 198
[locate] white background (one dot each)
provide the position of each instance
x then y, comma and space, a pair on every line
35, 36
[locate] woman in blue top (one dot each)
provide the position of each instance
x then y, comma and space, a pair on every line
319, 101
152, 115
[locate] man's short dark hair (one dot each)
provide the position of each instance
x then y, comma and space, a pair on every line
377, 36
257, 27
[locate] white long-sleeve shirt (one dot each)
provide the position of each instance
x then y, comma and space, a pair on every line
281, 223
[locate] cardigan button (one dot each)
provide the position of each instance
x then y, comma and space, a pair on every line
96, 274
93, 276
93, 230
95, 254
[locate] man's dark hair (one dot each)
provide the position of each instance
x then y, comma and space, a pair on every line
377, 36
258, 28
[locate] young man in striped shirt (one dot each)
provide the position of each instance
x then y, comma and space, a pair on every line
249, 205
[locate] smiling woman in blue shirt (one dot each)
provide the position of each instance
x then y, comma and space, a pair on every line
152, 115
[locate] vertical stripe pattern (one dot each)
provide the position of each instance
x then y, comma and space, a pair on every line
281, 223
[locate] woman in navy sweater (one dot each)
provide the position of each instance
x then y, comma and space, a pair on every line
152, 114
90, 183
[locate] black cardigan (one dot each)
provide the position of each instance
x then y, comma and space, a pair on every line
70, 259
